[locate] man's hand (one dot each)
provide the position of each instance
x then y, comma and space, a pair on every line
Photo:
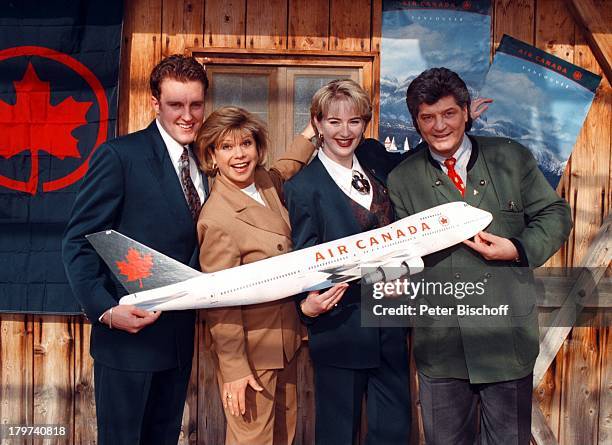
233, 394
479, 106
493, 247
317, 303
129, 318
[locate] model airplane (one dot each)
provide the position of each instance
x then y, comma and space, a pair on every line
157, 282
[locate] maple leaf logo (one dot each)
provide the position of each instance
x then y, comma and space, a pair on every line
34, 124
135, 266
443, 220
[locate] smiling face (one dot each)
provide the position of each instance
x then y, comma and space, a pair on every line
342, 128
236, 157
180, 109
442, 125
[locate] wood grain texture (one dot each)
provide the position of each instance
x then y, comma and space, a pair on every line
53, 378
309, 24
141, 51
224, 25
515, 18
350, 25
266, 24
376, 25
85, 428
182, 26
605, 387
16, 371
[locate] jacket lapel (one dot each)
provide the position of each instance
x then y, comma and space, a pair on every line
250, 211
163, 171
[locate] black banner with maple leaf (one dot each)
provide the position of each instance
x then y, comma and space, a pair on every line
59, 71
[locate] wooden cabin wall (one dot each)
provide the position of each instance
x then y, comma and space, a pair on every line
45, 368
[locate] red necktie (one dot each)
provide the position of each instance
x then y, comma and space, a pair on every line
453, 175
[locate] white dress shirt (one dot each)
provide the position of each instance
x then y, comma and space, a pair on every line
343, 178
462, 158
175, 150
252, 192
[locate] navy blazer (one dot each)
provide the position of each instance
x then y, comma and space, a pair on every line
320, 212
131, 186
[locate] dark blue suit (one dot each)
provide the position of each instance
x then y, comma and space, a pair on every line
320, 212
131, 186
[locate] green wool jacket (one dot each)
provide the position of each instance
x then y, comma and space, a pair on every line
504, 179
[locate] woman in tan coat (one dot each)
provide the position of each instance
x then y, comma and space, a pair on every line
244, 220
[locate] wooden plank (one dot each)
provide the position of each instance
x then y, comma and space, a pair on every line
224, 24
597, 30
309, 24
211, 420
540, 431
141, 51
189, 425
182, 25
515, 18
53, 373
85, 428
594, 263
553, 291
376, 25
590, 181
350, 31
605, 391
266, 24
16, 369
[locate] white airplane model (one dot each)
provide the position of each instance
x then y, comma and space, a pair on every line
157, 282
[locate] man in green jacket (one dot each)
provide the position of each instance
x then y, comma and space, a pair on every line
467, 360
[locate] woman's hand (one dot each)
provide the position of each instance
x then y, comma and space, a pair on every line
317, 303
479, 106
234, 398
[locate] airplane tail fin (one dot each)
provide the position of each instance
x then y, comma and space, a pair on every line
138, 267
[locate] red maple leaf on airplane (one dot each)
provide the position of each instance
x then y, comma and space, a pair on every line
135, 266
34, 124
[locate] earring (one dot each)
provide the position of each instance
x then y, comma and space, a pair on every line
215, 168
320, 140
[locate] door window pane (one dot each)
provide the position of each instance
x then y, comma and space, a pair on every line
304, 89
249, 91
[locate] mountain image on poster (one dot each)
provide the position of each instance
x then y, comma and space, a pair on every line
539, 100
417, 35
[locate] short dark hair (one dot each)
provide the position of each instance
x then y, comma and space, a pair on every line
177, 67
432, 85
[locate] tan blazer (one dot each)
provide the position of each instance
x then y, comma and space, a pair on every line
234, 229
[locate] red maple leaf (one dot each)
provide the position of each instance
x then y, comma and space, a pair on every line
135, 266
34, 124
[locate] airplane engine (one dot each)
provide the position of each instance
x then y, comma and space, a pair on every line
390, 271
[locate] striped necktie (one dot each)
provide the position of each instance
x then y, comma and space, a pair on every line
453, 175
191, 194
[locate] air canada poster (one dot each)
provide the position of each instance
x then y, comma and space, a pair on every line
417, 35
539, 100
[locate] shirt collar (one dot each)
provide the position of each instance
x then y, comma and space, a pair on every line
462, 155
340, 174
175, 150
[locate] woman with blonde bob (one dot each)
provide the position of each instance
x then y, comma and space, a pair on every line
244, 220
340, 193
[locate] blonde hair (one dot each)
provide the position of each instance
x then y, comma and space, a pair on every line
337, 90
229, 121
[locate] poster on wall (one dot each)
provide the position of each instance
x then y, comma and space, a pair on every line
539, 100
417, 35
59, 76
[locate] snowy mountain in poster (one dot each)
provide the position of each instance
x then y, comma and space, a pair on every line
538, 107
414, 40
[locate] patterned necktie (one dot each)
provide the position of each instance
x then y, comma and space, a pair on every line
453, 175
193, 200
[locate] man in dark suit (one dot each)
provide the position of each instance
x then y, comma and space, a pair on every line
469, 361
147, 186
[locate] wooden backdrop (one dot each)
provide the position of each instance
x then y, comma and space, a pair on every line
46, 371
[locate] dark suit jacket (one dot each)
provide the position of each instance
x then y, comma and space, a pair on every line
132, 187
319, 212
504, 179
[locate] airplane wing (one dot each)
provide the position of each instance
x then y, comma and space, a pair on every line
136, 266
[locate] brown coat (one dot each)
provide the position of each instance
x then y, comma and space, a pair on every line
234, 229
